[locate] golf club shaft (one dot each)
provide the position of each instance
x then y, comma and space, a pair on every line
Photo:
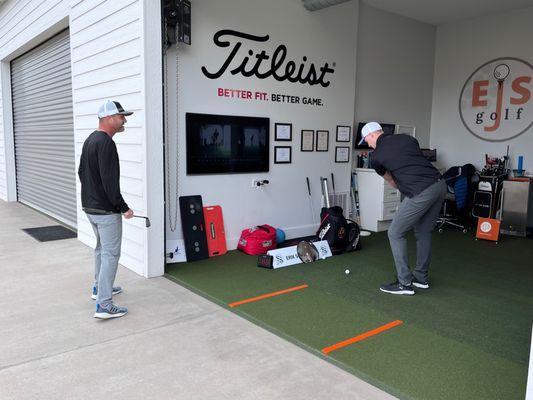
310, 200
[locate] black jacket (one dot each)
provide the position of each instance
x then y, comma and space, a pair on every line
99, 174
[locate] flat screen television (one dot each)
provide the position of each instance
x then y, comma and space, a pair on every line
387, 128
221, 144
430, 154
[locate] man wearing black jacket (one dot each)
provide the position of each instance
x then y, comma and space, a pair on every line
99, 174
399, 160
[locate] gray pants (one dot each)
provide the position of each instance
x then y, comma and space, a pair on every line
108, 231
419, 212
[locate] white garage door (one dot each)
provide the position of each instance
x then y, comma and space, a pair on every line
43, 128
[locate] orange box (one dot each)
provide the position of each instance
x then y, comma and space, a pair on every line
488, 229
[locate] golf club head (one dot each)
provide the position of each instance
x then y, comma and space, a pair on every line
146, 220
307, 251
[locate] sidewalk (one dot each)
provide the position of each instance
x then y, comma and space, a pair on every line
172, 344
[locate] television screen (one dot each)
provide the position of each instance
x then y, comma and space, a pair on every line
387, 128
218, 144
430, 154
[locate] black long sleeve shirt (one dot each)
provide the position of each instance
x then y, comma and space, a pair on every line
99, 174
401, 156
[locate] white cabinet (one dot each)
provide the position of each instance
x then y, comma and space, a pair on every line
378, 201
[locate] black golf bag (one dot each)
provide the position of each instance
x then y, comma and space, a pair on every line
341, 234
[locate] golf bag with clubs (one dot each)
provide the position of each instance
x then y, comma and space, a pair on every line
341, 234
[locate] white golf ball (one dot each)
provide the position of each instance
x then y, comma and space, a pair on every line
347, 271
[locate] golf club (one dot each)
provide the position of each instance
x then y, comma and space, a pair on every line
146, 220
310, 200
307, 251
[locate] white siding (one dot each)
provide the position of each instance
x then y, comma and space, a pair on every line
23, 25
108, 40
106, 52
3, 174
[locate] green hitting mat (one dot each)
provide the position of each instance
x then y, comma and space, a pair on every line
467, 337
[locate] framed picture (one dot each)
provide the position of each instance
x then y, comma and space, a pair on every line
283, 132
343, 133
282, 154
308, 140
342, 154
406, 130
322, 140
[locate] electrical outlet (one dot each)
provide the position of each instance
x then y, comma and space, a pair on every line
254, 184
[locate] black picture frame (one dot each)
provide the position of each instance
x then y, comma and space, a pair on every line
277, 155
307, 132
343, 136
318, 134
338, 159
277, 136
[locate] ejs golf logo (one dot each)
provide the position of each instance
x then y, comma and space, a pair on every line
495, 100
485, 227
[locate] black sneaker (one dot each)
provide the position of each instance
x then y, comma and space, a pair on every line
398, 288
420, 284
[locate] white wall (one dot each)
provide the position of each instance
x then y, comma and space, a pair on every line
115, 54
461, 48
395, 62
323, 36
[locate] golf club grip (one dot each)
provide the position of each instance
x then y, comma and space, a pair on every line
308, 187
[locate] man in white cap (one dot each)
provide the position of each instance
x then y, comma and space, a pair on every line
399, 160
99, 174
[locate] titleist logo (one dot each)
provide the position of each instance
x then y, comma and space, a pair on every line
324, 230
278, 68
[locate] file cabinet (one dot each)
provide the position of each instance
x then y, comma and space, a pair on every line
378, 201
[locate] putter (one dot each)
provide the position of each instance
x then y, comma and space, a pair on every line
146, 220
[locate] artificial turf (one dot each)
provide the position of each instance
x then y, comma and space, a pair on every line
467, 337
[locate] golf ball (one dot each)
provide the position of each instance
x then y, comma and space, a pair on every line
347, 271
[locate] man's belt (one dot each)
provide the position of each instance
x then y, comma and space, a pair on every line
97, 211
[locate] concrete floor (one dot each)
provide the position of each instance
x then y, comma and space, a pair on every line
173, 344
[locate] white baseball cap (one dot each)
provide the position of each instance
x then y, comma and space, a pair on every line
368, 129
111, 108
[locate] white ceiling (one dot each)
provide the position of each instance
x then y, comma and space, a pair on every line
438, 12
